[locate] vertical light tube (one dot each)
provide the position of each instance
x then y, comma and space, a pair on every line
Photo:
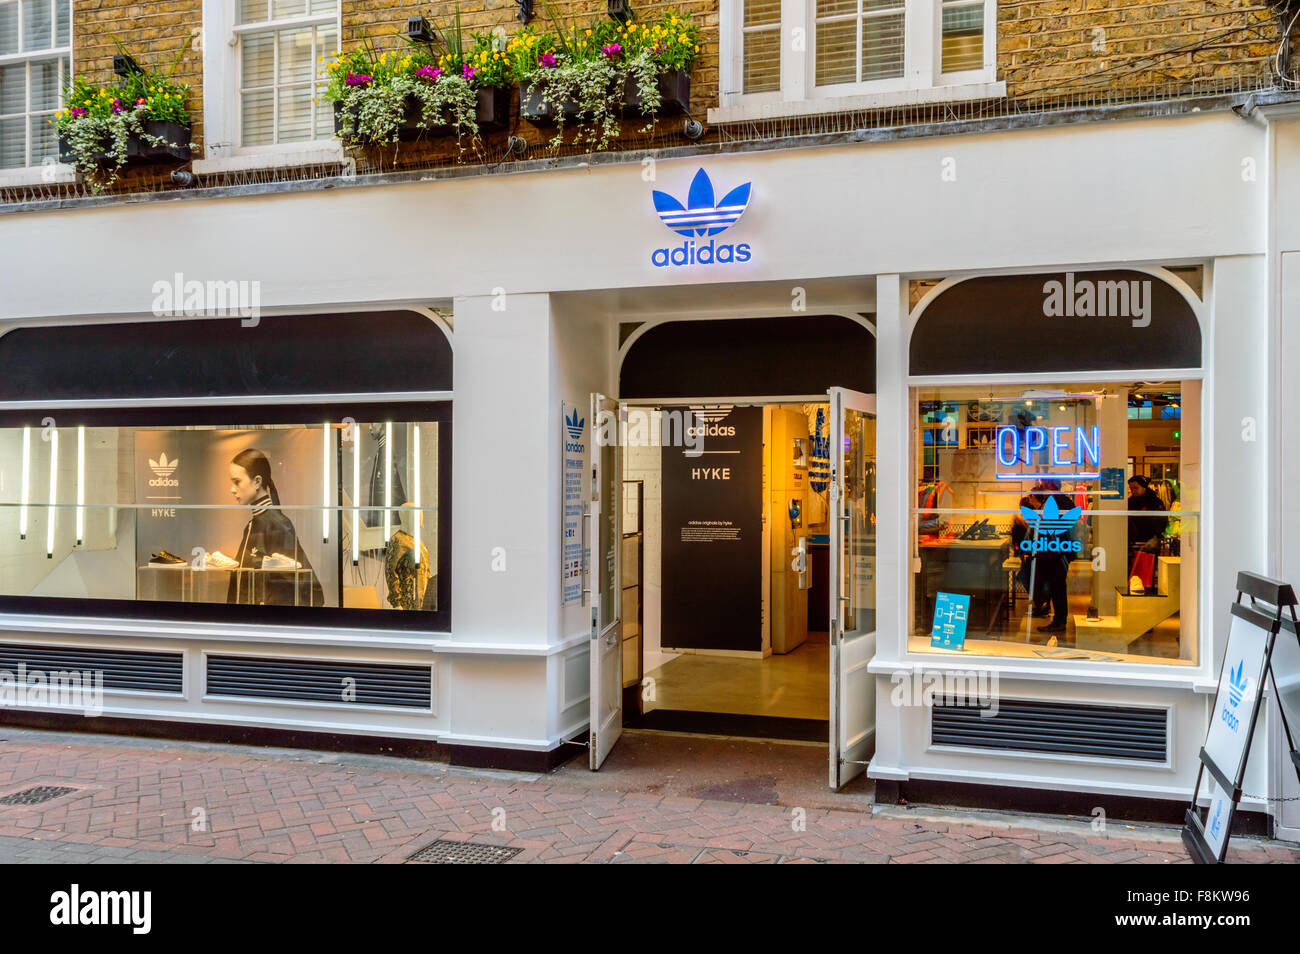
326, 441
27, 483
54, 489
388, 480
81, 483
356, 493
419, 514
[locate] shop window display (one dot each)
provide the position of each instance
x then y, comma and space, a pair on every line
1063, 517
314, 517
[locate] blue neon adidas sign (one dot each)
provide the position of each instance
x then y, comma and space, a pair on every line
701, 216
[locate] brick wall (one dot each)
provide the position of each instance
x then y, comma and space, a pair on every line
153, 32
1043, 44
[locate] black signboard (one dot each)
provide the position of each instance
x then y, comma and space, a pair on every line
712, 530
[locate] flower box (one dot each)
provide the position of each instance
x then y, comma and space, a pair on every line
493, 114
674, 93
538, 112
140, 150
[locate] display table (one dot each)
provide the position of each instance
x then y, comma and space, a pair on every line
970, 567
182, 583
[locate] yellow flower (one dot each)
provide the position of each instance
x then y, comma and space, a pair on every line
697, 48
588, 33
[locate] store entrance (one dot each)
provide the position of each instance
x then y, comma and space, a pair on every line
726, 568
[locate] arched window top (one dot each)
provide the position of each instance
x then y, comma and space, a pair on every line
1114, 320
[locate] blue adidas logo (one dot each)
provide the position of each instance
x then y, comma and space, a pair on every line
1051, 521
574, 424
702, 215
1237, 683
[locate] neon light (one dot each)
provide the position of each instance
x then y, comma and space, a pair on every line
27, 483
54, 488
356, 493
326, 441
419, 516
388, 480
81, 484
1064, 452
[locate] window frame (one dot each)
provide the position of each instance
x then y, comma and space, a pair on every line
921, 79
223, 102
18, 175
265, 410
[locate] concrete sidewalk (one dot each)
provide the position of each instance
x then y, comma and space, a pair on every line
151, 801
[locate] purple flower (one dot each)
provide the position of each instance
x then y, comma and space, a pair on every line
117, 106
546, 59
468, 72
430, 73
77, 111
359, 79
612, 50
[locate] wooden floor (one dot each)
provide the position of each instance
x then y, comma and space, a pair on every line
792, 686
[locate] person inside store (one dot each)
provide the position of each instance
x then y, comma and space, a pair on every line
269, 542
1144, 533
1026, 576
1053, 566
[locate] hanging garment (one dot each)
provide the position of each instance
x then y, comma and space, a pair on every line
819, 461
408, 581
375, 518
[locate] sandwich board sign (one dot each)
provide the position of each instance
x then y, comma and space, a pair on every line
1246, 664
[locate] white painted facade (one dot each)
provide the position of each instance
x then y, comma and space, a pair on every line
570, 250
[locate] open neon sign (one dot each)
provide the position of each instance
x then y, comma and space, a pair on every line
1055, 452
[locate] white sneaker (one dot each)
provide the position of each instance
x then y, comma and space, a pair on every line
220, 561
278, 561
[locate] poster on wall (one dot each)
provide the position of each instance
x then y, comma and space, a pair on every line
234, 548
573, 455
712, 573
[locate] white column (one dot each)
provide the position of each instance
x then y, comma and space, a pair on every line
892, 512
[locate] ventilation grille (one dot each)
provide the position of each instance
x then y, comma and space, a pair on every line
367, 684
122, 668
1111, 732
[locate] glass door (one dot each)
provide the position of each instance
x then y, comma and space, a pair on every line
853, 582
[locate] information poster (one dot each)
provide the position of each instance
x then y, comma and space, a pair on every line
713, 532
948, 631
1230, 721
574, 430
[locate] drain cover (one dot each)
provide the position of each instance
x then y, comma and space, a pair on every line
445, 852
34, 796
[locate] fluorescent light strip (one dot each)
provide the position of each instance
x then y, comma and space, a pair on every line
419, 516
81, 484
27, 483
326, 441
388, 480
54, 488
356, 493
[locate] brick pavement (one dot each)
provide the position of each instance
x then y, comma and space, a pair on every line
148, 801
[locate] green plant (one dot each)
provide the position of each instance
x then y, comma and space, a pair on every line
588, 67
97, 122
371, 89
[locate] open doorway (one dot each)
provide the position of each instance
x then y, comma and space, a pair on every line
726, 569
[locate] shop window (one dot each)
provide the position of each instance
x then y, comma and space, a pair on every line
35, 50
304, 515
1053, 522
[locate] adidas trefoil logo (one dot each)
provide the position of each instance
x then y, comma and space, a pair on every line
574, 424
1053, 522
702, 215
1237, 683
163, 470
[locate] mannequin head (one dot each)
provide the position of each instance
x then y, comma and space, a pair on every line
250, 477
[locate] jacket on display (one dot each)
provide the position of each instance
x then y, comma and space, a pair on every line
267, 533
